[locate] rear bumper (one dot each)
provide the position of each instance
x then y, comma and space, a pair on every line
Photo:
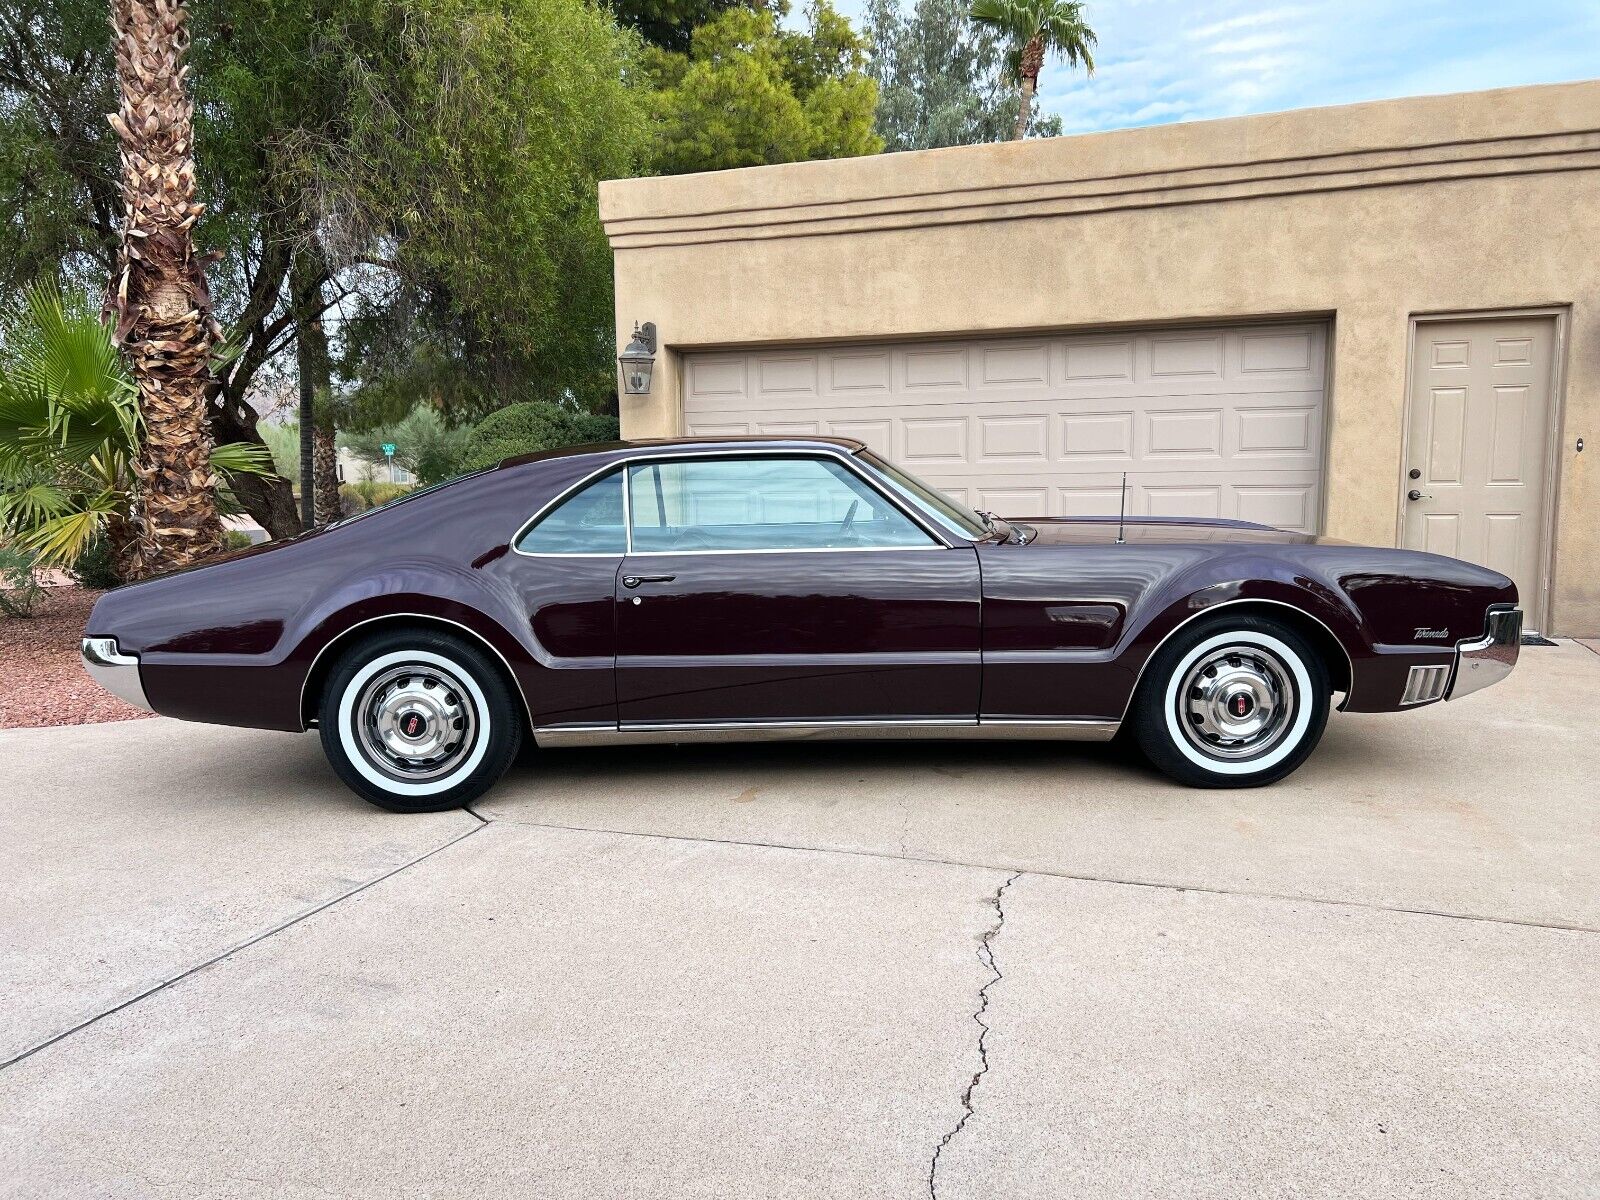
1488, 659
115, 671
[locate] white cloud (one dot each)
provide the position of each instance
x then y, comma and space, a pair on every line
1169, 60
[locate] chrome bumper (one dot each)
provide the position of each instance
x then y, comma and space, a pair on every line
115, 671
1488, 659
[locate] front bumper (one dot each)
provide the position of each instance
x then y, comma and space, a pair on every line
1488, 659
115, 671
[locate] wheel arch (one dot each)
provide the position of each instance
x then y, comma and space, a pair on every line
329, 654
1316, 632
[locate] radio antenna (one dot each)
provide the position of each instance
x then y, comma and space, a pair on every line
1122, 510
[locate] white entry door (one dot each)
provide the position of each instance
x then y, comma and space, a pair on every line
1478, 446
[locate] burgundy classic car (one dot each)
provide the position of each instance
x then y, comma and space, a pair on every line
745, 588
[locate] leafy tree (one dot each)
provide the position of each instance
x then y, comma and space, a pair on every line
669, 24
70, 426
939, 78
748, 92
1033, 29
529, 428
419, 172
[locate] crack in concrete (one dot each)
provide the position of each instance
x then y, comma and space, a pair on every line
986, 957
235, 949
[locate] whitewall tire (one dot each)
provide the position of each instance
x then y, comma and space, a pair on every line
417, 721
1231, 702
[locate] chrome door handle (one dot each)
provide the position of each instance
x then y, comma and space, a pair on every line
1413, 494
633, 581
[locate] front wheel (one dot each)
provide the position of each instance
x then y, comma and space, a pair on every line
417, 721
1231, 702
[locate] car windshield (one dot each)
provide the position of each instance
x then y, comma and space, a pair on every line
957, 518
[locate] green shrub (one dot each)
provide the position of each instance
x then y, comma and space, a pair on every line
236, 539
529, 428
20, 592
96, 567
359, 497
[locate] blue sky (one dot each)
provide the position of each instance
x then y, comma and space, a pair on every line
1175, 60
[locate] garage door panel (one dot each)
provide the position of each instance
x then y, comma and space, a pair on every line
1012, 367
1221, 422
1185, 356
1094, 364
791, 378
857, 375
927, 369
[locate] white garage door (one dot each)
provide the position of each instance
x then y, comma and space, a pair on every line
1206, 422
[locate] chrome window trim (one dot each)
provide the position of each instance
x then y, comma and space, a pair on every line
1211, 608
626, 463
311, 671
848, 461
915, 501
921, 728
592, 477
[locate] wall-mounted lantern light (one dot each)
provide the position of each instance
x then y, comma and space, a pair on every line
639, 360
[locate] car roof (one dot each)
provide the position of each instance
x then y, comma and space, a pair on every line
691, 445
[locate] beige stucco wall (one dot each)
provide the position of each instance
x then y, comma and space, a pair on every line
1371, 213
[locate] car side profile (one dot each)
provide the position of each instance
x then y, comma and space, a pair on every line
750, 588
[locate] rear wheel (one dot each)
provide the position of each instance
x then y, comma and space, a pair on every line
1232, 702
416, 721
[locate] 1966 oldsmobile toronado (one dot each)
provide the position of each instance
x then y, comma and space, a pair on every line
744, 588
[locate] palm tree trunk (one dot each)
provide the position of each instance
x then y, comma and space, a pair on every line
1032, 62
1024, 109
159, 299
327, 473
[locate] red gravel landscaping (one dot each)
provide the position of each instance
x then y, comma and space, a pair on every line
41, 677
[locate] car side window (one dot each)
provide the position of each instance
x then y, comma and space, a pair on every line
774, 503
587, 522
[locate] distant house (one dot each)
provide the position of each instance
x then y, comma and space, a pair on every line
1379, 322
355, 469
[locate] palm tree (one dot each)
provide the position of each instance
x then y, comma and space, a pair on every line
69, 430
1033, 29
159, 297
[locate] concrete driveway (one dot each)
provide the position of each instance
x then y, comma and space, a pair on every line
861, 970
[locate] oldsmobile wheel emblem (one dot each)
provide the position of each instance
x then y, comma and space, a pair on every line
413, 725
1241, 705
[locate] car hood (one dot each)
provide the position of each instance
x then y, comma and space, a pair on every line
1096, 531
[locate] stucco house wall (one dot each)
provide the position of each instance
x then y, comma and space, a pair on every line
1371, 215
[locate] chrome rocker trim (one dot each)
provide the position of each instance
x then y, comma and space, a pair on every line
115, 671
1488, 659
770, 731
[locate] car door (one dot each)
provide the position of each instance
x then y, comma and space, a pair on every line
788, 588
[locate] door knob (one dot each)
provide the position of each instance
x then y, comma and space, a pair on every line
633, 581
1413, 494
1415, 473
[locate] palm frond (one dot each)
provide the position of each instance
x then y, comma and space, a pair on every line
60, 541
242, 458
69, 353
29, 507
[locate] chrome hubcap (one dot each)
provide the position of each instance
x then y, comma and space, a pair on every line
415, 722
1236, 702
